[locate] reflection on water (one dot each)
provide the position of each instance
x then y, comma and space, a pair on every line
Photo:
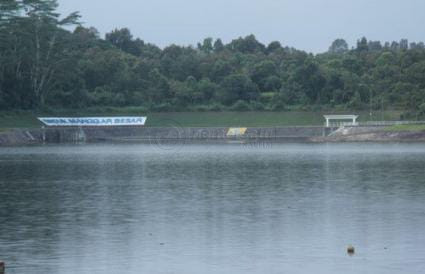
283, 208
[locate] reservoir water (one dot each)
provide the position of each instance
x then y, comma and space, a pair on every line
218, 208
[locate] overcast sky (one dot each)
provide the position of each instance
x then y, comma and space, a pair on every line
310, 25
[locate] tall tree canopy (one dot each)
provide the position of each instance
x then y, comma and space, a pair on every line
34, 48
43, 64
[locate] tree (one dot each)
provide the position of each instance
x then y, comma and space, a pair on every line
404, 44
249, 44
273, 46
36, 41
220, 69
311, 79
395, 46
374, 46
416, 74
159, 88
362, 45
272, 83
237, 86
218, 45
109, 68
206, 46
42, 63
207, 89
338, 46
123, 39
262, 72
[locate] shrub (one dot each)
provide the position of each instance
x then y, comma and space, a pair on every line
257, 106
241, 105
217, 107
164, 107
278, 106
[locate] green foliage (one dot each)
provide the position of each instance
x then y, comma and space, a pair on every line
206, 46
241, 105
248, 44
123, 39
33, 50
237, 86
273, 46
339, 46
43, 65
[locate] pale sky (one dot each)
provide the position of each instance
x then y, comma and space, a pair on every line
309, 25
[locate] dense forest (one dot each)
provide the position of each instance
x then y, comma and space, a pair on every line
43, 65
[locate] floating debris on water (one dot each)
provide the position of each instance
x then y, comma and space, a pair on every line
351, 250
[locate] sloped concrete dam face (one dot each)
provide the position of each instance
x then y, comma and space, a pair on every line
172, 133
122, 134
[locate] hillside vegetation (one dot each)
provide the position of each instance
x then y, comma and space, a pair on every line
44, 66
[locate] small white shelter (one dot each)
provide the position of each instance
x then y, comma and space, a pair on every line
339, 119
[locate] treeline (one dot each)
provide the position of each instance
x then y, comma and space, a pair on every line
43, 65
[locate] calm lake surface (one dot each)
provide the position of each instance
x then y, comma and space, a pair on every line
219, 208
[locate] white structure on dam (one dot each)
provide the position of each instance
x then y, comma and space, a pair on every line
339, 119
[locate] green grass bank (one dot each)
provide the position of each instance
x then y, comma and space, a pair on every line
402, 128
22, 119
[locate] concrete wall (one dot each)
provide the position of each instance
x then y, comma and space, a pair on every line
125, 134
98, 134
19, 137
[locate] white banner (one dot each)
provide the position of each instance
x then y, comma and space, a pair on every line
93, 121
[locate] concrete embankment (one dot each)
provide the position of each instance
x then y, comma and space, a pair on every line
139, 134
372, 134
126, 134
20, 137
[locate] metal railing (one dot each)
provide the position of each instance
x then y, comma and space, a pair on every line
375, 123
342, 124
390, 123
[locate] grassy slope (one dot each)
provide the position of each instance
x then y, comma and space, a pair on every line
401, 128
196, 119
17, 120
235, 119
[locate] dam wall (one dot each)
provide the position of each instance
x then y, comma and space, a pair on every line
19, 137
123, 134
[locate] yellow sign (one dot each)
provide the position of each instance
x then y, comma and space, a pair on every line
235, 132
